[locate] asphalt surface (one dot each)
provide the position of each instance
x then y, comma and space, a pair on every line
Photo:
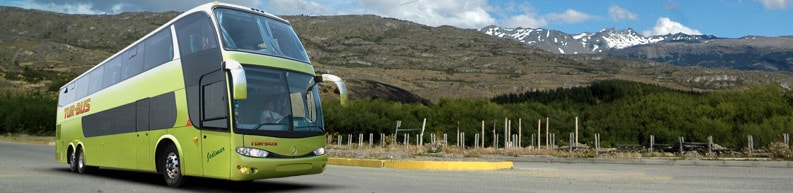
32, 168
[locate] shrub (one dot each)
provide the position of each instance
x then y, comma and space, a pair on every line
780, 151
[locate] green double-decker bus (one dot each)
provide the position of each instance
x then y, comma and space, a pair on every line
221, 91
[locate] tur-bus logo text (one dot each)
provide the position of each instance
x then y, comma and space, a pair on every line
76, 109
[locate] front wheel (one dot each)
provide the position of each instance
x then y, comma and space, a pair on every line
171, 167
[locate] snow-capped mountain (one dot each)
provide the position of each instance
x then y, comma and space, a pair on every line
563, 43
747, 53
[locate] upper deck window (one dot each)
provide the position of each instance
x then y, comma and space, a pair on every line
259, 34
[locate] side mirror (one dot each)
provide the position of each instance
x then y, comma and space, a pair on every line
339, 83
239, 83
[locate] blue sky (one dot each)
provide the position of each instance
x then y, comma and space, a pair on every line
723, 18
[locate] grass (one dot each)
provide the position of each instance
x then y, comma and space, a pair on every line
24, 138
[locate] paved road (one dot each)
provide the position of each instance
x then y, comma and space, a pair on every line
32, 168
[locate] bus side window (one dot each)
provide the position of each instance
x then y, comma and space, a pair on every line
62, 98
196, 36
112, 73
159, 49
70, 94
82, 86
132, 62
95, 82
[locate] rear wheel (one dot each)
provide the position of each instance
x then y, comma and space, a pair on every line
81, 167
72, 160
171, 166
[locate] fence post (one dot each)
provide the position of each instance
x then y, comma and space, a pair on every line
681, 140
652, 142
572, 140
396, 131
349, 140
520, 131
495, 137
462, 138
458, 134
751, 143
506, 133
360, 140
576, 131
533, 144
382, 139
710, 144
597, 143
476, 140
406, 138
445, 139
515, 141
483, 134
423, 125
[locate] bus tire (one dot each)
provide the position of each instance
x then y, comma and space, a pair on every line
171, 166
72, 160
81, 167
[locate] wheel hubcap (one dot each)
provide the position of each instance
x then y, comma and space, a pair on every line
71, 158
172, 165
80, 161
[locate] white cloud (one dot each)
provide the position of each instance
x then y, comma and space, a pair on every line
570, 16
618, 13
70, 9
463, 14
526, 17
665, 26
525, 20
777, 4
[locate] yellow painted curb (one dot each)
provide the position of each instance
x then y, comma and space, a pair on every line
355, 162
446, 165
421, 165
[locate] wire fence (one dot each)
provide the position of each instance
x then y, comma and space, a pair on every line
510, 139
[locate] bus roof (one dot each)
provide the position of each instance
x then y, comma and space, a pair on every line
207, 8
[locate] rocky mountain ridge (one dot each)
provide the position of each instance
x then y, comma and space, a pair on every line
379, 57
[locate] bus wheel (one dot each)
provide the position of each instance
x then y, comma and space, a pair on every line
81, 167
171, 167
72, 160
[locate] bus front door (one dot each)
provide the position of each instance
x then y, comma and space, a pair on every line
215, 131
216, 153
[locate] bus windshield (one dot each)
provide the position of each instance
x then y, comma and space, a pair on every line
249, 32
280, 103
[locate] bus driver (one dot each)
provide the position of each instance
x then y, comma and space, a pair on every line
269, 114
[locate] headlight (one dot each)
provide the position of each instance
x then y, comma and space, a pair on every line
252, 152
319, 151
